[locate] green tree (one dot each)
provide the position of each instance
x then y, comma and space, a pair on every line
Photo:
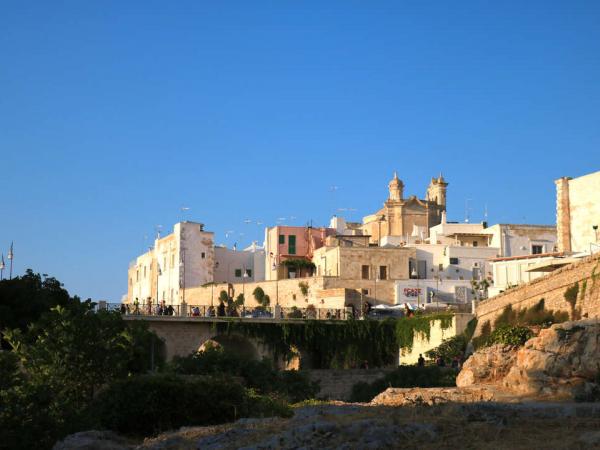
65, 358
24, 299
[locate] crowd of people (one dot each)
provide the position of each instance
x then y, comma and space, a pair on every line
161, 309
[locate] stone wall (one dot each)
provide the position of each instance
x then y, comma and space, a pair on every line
437, 335
337, 384
552, 289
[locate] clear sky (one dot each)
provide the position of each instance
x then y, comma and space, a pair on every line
114, 115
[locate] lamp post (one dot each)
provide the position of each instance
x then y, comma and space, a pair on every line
415, 274
274, 267
244, 276
375, 290
595, 227
10, 256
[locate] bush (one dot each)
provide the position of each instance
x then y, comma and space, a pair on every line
535, 315
9, 370
149, 404
259, 375
510, 335
449, 348
404, 377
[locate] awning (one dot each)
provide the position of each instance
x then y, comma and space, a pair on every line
550, 265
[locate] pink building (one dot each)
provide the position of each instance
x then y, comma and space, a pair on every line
289, 250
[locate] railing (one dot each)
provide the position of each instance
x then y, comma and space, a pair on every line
242, 312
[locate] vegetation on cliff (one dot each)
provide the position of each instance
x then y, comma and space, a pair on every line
341, 345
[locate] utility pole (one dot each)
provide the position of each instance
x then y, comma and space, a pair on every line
11, 257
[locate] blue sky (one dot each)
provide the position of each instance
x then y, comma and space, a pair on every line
113, 115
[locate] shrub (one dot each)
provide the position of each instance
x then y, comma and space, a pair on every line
484, 335
258, 294
149, 404
404, 377
449, 348
146, 405
258, 375
510, 335
303, 287
9, 370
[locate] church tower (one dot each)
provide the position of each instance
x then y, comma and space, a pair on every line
436, 192
396, 189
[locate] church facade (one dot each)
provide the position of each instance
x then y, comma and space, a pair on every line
407, 219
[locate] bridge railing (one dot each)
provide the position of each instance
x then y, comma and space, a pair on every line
243, 312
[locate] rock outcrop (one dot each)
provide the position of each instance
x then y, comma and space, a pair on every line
431, 396
562, 362
487, 366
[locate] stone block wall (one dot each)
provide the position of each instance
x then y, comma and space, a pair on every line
552, 289
337, 384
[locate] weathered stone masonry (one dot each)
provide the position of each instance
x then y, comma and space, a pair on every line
552, 289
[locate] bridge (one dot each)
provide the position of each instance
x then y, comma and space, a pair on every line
188, 333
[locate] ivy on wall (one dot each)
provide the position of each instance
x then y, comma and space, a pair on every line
340, 344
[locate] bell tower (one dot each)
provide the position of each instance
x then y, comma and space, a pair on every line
396, 189
436, 192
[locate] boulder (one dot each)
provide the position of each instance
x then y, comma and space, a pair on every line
93, 440
562, 362
487, 366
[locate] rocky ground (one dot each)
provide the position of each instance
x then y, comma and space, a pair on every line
351, 426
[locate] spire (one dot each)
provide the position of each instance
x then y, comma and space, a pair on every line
396, 187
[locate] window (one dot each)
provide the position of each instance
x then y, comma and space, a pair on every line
364, 291
249, 273
454, 261
130, 281
365, 272
172, 260
537, 249
383, 272
144, 271
238, 273
137, 275
440, 267
292, 244
475, 243
282, 239
203, 255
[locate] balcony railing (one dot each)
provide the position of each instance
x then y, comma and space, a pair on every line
242, 312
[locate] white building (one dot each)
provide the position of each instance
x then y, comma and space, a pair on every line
231, 265
186, 259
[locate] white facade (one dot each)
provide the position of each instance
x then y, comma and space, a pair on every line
522, 240
230, 264
182, 259
510, 272
420, 291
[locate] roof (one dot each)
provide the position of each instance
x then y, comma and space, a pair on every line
514, 258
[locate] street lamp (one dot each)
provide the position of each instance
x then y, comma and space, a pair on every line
415, 274
274, 267
244, 276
